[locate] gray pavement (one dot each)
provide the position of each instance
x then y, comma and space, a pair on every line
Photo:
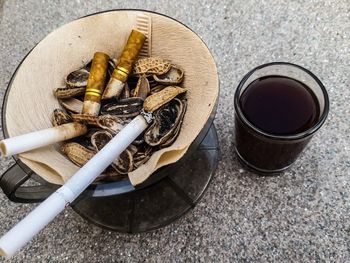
300, 216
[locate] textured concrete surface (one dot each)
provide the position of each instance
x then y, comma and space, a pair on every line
300, 216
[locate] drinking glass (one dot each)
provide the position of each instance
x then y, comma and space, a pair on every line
269, 153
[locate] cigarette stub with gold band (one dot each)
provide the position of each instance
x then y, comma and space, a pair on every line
37, 139
95, 84
127, 59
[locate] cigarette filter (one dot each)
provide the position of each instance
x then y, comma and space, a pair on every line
124, 66
95, 84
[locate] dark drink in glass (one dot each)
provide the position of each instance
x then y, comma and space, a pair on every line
278, 107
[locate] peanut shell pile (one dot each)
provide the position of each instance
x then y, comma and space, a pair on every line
154, 80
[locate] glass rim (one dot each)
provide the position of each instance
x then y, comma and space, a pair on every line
295, 136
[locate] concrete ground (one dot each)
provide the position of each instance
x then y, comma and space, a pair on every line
300, 216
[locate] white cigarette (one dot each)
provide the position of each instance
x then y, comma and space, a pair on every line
37, 139
35, 221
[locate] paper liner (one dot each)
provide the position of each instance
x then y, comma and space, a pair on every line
31, 102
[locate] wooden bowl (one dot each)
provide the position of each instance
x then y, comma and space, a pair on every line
30, 101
